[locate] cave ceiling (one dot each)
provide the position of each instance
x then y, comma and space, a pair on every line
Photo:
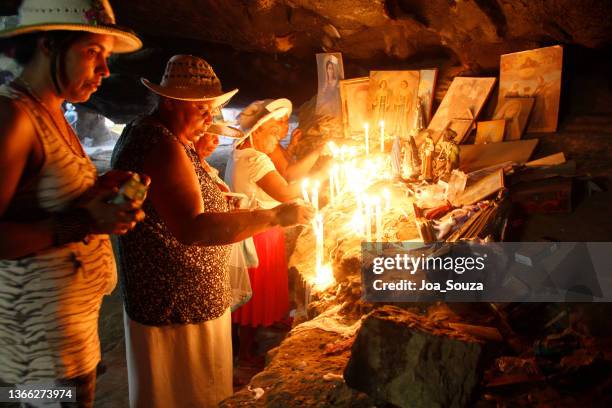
474, 31
267, 42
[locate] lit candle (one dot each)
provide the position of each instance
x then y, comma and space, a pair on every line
368, 219
378, 219
382, 136
318, 230
333, 148
387, 195
305, 190
337, 179
359, 217
331, 185
315, 195
366, 128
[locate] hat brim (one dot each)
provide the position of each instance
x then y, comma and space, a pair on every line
275, 114
224, 130
188, 94
125, 40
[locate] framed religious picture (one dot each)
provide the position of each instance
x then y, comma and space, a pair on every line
427, 86
330, 71
463, 100
354, 94
515, 111
393, 96
534, 73
490, 131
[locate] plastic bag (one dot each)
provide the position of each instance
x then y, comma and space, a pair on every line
239, 275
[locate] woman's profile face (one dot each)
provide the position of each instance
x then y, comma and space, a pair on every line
207, 144
283, 125
265, 138
193, 116
86, 66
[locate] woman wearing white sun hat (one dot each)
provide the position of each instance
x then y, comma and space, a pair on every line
174, 266
284, 159
56, 261
250, 171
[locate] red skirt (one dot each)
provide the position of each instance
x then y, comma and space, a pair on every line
269, 281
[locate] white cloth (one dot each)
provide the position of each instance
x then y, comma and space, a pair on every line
179, 365
245, 168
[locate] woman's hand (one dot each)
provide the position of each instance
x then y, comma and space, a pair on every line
109, 218
289, 214
296, 135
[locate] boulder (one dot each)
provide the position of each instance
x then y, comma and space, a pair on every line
409, 361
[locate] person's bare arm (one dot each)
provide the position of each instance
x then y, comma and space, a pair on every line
175, 194
16, 147
277, 187
18, 239
301, 168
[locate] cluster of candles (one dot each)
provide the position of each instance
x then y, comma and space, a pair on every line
353, 176
370, 208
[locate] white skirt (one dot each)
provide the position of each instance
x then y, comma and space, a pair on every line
180, 365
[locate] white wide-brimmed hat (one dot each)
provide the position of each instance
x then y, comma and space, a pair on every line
94, 16
259, 112
223, 129
190, 78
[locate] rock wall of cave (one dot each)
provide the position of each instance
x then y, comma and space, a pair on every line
266, 47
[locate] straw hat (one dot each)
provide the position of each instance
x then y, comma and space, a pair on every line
190, 78
94, 16
259, 112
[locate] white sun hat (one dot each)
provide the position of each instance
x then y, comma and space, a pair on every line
94, 16
259, 112
190, 78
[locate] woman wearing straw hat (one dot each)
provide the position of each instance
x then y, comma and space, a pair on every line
174, 266
251, 171
56, 260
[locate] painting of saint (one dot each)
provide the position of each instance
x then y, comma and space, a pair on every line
534, 73
354, 94
330, 71
515, 111
393, 97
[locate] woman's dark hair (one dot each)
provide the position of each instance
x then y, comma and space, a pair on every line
23, 47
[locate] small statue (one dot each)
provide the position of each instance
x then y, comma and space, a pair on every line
448, 158
412, 162
419, 118
426, 153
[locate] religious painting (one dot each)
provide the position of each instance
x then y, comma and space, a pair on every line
427, 86
534, 73
330, 71
463, 100
393, 97
490, 131
515, 111
354, 94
